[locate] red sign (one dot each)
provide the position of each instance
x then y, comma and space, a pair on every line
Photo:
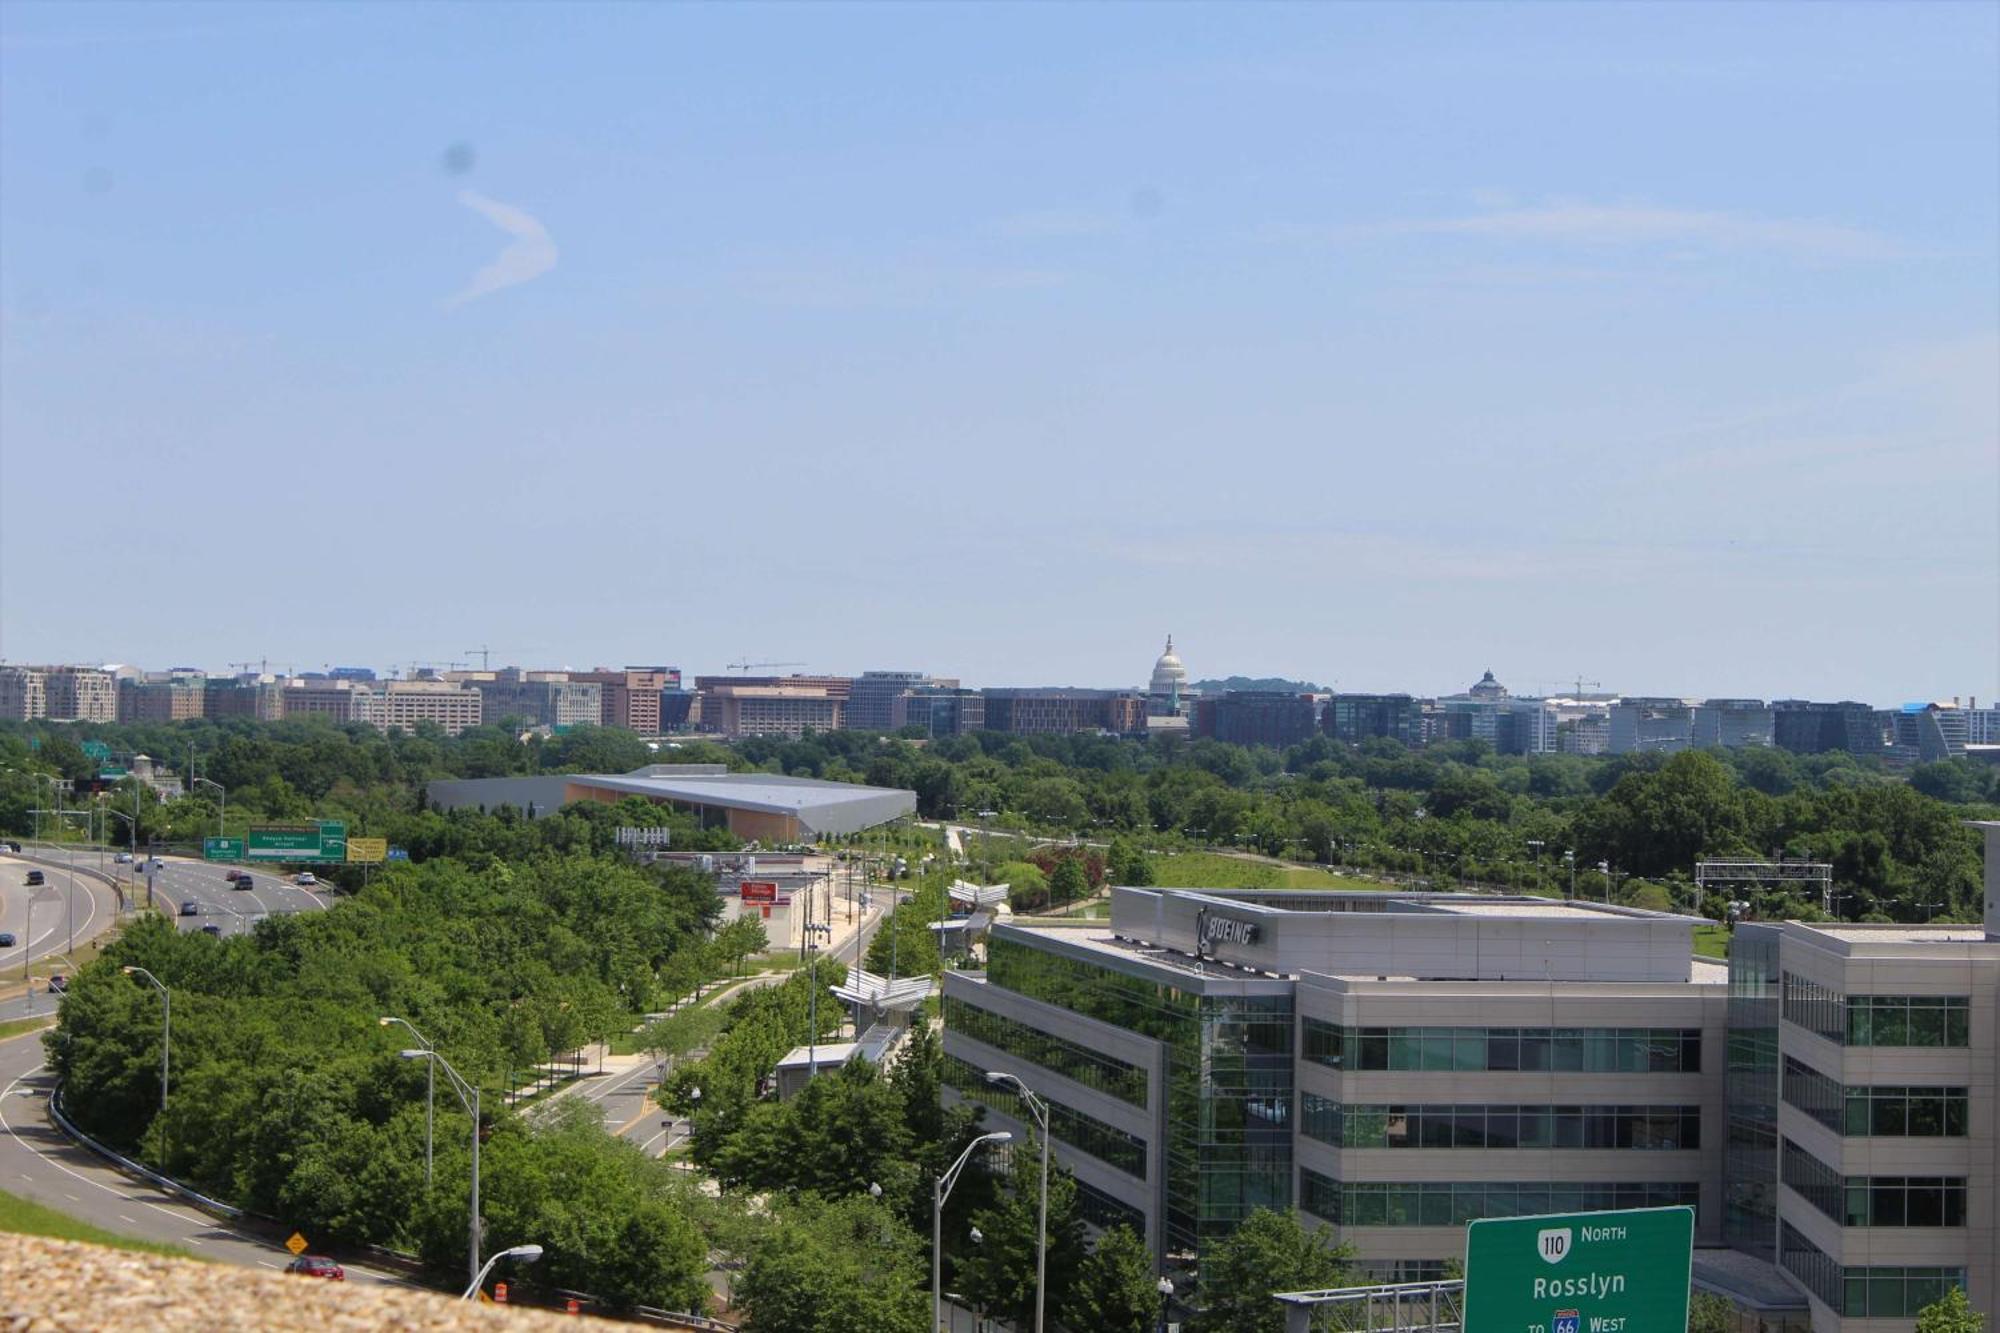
573, 1306
499, 1293
758, 891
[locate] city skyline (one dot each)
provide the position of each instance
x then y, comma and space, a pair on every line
1378, 345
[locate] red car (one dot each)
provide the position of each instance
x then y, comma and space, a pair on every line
317, 1265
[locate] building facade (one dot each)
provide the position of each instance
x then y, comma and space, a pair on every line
1063, 709
541, 699
80, 694
1276, 718
630, 698
339, 701
401, 705
873, 699
941, 712
1167, 690
771, 710
1357, 717
23, 693
176, 696
1732, 724
1805, 727
1648, 725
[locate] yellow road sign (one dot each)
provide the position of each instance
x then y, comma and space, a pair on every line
367, 850
296, 1244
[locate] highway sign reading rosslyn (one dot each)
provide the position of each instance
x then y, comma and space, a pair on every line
1614, 1272
222, 849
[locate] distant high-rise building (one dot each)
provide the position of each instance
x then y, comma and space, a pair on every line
871, 702
708, 705
401, 705
677, 709
175, 696
340, 701
631, 698
1357, 717
1063, 709
941, 711
80, 694
23, 693
1805, 727
1928, 733
540, 698
770, 710
1732, 724
253, 696
1167, 692
1651, 725
1276, 718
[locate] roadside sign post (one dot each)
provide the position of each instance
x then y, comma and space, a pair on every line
296, 1243
222, 849
1612, 1272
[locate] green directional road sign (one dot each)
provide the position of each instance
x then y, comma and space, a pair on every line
1615, 1272
222, 849
325, 840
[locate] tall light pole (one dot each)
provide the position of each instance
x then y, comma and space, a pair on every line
468, 1095
530, 1253
166, 1045
1570, 857
940, 1191
1040, 1110
430, 1090
222, 811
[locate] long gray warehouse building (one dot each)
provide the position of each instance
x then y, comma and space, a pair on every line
768, 807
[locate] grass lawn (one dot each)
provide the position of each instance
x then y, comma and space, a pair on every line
31, 1219
1209, 870
14, 1027
1711, 942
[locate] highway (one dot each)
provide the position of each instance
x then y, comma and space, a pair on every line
38, 1162
71, 905
219, 903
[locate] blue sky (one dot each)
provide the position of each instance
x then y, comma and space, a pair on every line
1372, 344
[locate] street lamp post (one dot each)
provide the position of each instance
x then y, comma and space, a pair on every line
1570, 858
222, 810
940, 1191
528, 1252
468, 1095
1040, 1110
166, 1045
430, 1091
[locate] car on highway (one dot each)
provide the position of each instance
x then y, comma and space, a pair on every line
190, 908
317, 1265
306, 877
58, 984
123, 859
213, 930
7, 942
13, 846
34, 879
239, 878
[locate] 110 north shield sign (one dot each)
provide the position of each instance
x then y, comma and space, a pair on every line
1615, 1272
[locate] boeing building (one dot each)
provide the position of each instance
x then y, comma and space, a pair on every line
1394, 1065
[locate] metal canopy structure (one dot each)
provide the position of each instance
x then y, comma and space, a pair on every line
1399, 1307
978, 895
881, 994
1813, 874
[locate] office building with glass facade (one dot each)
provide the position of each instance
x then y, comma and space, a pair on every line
1393, 1066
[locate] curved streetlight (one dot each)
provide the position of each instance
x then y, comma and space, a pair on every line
529, 1253
430, 1090
222, 811
940, 1191
166, 1044
468, 1095
1040, 1110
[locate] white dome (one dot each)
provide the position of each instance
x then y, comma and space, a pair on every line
1169, 676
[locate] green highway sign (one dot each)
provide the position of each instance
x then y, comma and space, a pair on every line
325, 840
1616, 1272
222, 849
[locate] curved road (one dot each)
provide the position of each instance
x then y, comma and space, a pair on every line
38, 1162
222, 904
71, 906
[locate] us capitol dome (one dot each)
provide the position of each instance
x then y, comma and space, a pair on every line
1167, 695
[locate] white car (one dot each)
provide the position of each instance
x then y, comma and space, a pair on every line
123, 858
305, 878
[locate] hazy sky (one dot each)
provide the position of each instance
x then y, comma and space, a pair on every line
1377, 345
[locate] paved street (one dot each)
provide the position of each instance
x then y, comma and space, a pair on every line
38, 1162
69, 908
222, 904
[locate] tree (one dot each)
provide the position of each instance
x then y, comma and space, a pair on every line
1068, 883
1115, 1289
1269, 1252
998, 1272
1950, 1313
844, 1267
1710, 1313
741, 938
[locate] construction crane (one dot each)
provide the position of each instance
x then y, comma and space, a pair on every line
747, 666
485, 656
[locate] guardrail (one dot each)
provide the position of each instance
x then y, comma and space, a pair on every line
408, 1265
